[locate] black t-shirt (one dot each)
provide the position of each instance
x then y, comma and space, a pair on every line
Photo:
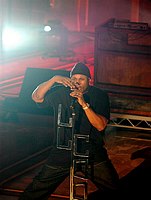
99, 102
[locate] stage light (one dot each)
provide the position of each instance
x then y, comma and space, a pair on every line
12, 38
17, 40
54, 27
50, 39
47, 28
55, 37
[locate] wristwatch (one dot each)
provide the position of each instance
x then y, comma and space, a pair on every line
86, 107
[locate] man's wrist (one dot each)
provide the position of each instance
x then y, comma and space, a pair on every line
86, 106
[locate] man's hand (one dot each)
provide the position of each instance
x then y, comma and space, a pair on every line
79, 95
64, 81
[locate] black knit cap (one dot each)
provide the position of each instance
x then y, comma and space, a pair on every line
80, 68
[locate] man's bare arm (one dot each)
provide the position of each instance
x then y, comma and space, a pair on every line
40, 92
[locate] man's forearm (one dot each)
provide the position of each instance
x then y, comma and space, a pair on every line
39, 93
98, 121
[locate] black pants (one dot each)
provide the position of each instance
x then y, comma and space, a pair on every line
45, 183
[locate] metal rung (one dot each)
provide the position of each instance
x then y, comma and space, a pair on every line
80, 184
80, 177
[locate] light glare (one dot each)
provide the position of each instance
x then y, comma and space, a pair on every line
12, 38
47, 28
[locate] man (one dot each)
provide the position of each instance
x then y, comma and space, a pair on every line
92, 115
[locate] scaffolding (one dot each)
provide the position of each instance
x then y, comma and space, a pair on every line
130, 121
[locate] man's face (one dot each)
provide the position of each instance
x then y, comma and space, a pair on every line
80, 81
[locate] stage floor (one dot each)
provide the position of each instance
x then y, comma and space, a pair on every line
129, 151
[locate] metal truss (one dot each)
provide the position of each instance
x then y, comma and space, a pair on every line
130, 121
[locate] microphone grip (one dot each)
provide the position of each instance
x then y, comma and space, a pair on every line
73, 102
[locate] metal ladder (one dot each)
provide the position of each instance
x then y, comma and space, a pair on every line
78, 159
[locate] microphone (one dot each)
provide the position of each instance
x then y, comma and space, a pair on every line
73, 102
